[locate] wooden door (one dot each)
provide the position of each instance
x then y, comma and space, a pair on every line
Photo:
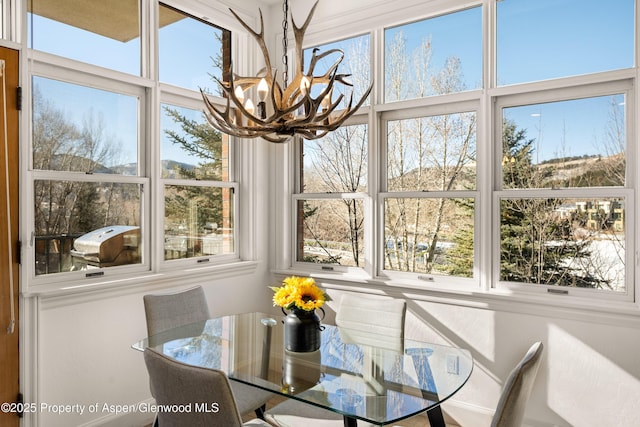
9, 251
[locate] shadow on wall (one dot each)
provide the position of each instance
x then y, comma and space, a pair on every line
589, 374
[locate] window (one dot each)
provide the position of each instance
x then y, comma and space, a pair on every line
83, 129
99, 139
435, 56
5, 23
92, 31
576, 36
485, 170
355, 64
184, 40
331, 208
563, 208
564, 242
429, 204
576, 143
198, 197
331, 204
85, 161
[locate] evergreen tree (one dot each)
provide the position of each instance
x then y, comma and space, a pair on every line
200, 140
460, 257
204, 142
536, 244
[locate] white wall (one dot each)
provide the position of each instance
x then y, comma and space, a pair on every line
589, 376
85, 354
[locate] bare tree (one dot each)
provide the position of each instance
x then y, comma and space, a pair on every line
423, 154
614, 143
64, 208
338, 164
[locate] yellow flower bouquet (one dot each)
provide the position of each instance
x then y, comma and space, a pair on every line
300, 293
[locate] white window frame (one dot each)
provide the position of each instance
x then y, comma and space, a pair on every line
151, 94
297, 195
450, 104
189, 99
486, 264
604, 88
50, 71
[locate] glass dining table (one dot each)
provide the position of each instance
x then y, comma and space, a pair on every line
379, 385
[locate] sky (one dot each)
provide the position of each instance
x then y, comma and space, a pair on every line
575, 36
185, 60
79, 103
567, 128
455, 35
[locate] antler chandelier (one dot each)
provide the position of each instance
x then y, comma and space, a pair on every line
288, 109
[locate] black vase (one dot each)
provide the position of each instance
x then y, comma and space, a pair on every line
302, 331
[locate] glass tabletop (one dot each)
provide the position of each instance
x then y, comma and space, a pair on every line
374, 384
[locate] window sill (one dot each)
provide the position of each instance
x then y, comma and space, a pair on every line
502, 300
142, 281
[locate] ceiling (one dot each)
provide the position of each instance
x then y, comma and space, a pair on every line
116, 19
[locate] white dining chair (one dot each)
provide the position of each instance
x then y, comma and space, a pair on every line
517, 389
369, 320
365, 320
207, 392
166, 311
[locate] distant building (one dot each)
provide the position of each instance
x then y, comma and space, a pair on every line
603, 215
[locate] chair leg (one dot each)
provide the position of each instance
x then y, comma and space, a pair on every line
260, 411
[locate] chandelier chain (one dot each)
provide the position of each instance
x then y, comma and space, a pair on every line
285, 44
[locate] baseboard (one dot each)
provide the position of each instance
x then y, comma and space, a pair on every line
464, 414
457, 412
129, 419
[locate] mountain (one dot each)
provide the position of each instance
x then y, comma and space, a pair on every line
169, 166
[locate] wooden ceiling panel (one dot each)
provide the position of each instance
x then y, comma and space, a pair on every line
116, 19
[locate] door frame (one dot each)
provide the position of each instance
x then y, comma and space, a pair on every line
10, 354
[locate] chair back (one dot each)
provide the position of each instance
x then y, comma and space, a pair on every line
171, 310
517, 389
189, 395
372, 320
189, 307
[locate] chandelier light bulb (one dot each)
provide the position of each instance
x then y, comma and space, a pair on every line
249, 106
239, 94
326, 101
293, 108
305, 84
263, 89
